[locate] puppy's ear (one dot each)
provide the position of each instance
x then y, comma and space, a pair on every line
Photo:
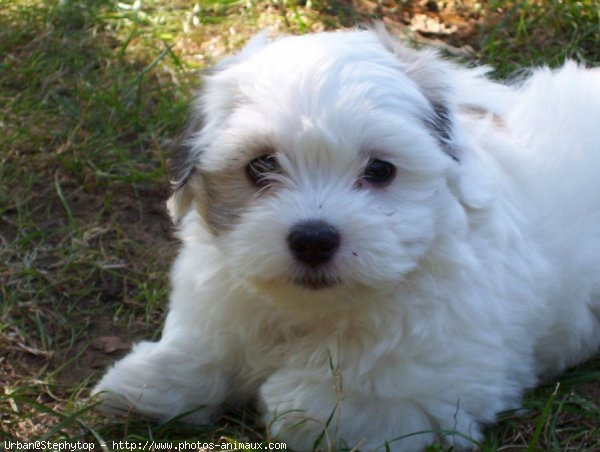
438, 80
433, 76
185, 179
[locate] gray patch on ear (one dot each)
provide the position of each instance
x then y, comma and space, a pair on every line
441, 124
183, 162
182, 165
184, 158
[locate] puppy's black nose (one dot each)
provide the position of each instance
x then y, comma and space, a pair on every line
313, 242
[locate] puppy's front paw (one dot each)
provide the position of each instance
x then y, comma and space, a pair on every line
144, 382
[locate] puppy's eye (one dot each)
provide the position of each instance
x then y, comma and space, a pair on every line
379, 173
259, 168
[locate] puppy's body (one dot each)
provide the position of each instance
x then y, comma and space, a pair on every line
455, 286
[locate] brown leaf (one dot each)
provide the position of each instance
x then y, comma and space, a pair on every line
110, 344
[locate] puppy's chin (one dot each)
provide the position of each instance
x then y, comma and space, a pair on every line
315, 279
314, 282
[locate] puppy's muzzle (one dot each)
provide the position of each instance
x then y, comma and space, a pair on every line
313, 242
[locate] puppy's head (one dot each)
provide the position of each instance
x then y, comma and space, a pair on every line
322, 162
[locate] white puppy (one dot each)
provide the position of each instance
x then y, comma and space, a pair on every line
378, 245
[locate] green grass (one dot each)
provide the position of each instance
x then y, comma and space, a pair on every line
536, 33
92, 94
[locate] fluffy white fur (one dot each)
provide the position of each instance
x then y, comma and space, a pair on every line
459, 285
